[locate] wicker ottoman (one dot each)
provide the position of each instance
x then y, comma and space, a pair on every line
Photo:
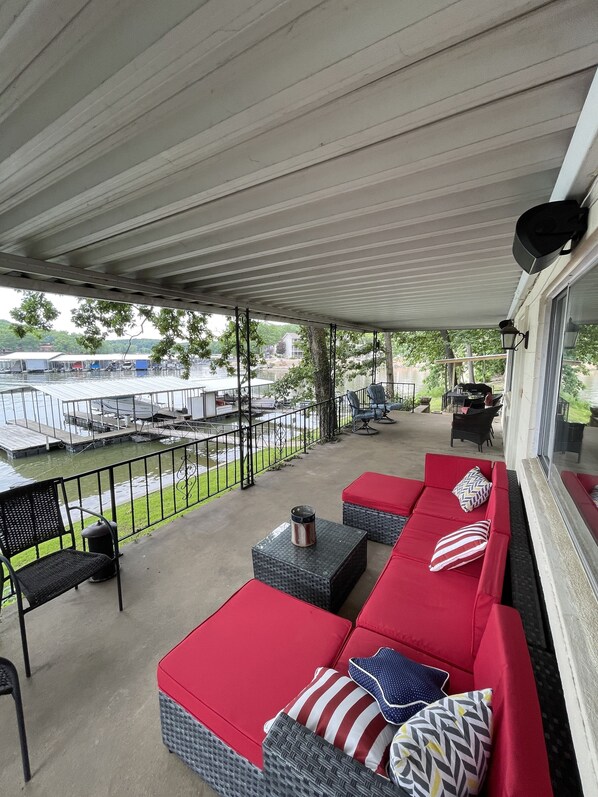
234, 672
380, 504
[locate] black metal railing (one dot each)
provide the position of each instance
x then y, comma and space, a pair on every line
149, 489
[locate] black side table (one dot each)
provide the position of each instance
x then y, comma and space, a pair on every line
322, 574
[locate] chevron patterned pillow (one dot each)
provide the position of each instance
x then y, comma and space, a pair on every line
444, 749
473, 490
594, 494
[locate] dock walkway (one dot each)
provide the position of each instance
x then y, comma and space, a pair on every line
18, 441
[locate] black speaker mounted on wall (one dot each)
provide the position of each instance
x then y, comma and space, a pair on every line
542, 232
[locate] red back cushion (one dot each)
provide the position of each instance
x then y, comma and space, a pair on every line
518, 763
498, 511
587, 480
445, 471
490, 585
499, 475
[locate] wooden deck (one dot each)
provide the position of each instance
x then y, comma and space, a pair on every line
17, 441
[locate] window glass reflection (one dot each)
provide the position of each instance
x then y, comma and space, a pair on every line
575, 446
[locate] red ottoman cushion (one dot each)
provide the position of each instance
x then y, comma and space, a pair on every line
442, 503
248, 660
391, 494
364, 642
431, 612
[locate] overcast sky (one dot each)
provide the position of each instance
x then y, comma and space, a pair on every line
10, 298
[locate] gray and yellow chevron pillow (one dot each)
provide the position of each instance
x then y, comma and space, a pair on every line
473, 490
443, 750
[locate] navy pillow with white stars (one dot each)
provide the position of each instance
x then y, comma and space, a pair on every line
400, 685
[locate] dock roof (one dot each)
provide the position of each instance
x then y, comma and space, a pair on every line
29, 355
91, 389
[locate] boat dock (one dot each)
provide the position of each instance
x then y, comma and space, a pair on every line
17, 441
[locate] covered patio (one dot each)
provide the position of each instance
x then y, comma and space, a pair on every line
91, 706
339, 164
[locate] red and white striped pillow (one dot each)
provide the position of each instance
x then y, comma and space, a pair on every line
336, 708
460, 547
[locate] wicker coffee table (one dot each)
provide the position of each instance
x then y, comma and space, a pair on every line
322, 574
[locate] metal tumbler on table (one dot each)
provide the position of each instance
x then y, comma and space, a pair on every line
303, 526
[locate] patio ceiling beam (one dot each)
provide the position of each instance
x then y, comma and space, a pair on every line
25, 273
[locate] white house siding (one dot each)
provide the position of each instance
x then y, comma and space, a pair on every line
571, 602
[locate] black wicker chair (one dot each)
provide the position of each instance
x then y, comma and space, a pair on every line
30, 516
475, 426
9, 685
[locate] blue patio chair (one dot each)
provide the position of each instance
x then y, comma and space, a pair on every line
379, 402
362, 415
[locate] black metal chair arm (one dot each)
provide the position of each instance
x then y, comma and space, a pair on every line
105, 520
15, 582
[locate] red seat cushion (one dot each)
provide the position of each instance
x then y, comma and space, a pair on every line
442, 503
387, 493
420, 535
518, 763
430, 612
364, 642
445, 471
248, 660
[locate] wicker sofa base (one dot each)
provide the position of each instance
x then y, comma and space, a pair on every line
228, 773
297, 763
380, 526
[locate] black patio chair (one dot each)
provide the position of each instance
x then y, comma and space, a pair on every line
9, 685
474, 426
378, 401
361, 415
30, 516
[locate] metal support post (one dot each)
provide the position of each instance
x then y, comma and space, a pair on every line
375, 347
240, 421
249, 439
332, 388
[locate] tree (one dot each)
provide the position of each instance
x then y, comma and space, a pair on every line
35, 314
227, 342
424, 347
183, 333
390, 373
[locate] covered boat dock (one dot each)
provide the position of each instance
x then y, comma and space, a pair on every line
79, 413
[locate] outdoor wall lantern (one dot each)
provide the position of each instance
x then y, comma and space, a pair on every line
511, 337
570, 335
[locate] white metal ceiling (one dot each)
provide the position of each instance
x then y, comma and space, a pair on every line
335, 160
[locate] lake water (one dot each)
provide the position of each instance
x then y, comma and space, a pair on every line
42, 466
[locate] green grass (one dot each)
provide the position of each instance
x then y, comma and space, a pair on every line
579, 411
149, 512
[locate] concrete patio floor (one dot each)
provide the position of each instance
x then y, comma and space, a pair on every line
91, 706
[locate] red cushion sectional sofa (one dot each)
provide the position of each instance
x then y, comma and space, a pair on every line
244, 663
